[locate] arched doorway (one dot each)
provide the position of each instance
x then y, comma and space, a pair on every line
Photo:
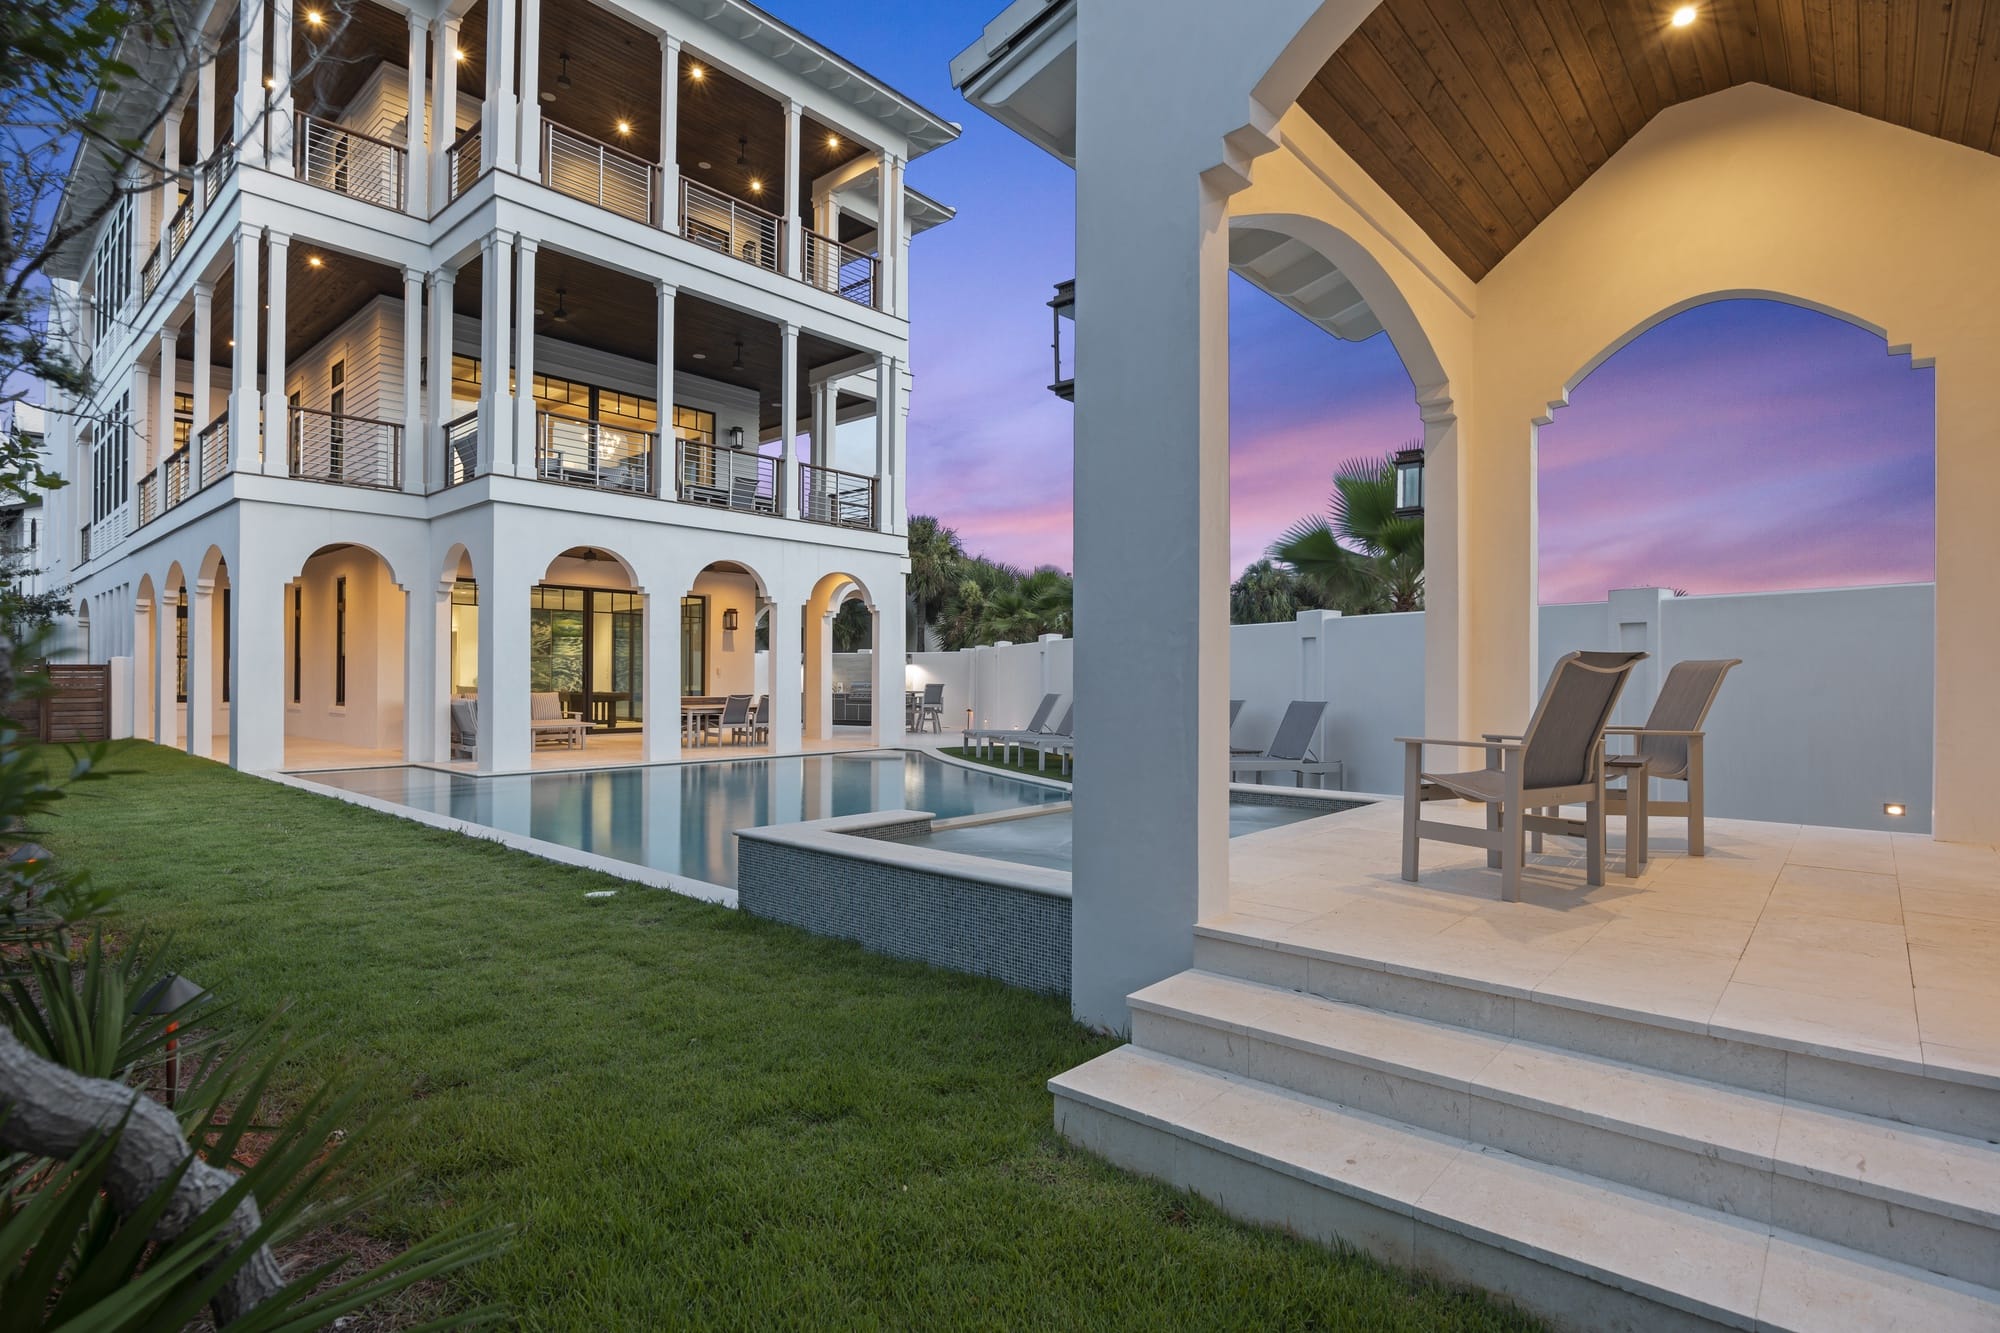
587, 657
731, 636
344, 655
852, 692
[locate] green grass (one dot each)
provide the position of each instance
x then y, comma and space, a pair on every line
692, 1116
1022, 763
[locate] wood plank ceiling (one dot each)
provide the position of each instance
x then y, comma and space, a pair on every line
1479, 117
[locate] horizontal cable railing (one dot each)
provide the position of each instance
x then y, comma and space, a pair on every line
149, 497
149, 276
174, 479
590, 453
214, 446
462, 163
83, 545
721, 222
727, 478
840, 269
216, 174
349, 162
347, 450
602, 173
461, 448
828, 495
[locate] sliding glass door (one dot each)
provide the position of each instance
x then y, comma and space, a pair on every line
588, 645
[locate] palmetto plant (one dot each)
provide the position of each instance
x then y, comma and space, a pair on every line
1359, 556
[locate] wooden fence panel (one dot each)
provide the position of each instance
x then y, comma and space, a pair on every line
78, 705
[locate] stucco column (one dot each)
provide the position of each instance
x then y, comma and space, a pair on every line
889, 661
245, 442
282, 129
277, 423
200, 369
444, 107
201, 669
257, 648
885, 421
530, 150
670, 122
140, 453
496, 407
414, 434
1497, 566
144, 640
788, 418
166, 666
170, 184
899, 233
204, 134
504, 742
822, 424
497, 116
416, 162
886, 253
794, 242
662, 738
1966, 712
787, 670
163, 443
426, 672
819, 669
248, 129
1444, 573
525, 464
666, 448
435, 462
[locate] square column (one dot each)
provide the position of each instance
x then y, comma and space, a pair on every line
245, 440
163, 443
426, 672
280, 138
819, 669
887, 252
885, 441
444, 107
204, 135
170, 173
166, 667
822, 423
256, 671
496, 407
277, 425
497, 124
200, 370
898, 300
416, 172
666, 448
530, 150
670, 122
201, 669
139, 441
787, 672
888, 664
432, 460
788, 417
794, 243
414, 435
662, 738
525, 462
248, 130
504, 742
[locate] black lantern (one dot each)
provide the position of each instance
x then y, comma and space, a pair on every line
1409, 465
729, 619
1063, 308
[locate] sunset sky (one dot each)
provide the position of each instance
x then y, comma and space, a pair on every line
1739, 446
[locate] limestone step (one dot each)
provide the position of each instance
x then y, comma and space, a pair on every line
1828, 1075
1916, 1196
1581, 1252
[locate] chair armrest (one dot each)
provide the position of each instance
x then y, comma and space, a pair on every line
1649, 731
1501, 735
1461, 745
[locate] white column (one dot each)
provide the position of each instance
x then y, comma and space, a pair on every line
166, 635
245, 442
426, 679
204, 132
201, 669
819, 668
497, 116
444, 106
416, 172
822, 424
163, 444
787, 670
530, 151
495, 323
140, 439
794, 241
788, 417
666, 460
662, 667
249, 119
277, 425
414, 434
885, 249
670, 122
201, 369
170, 173
524, 358
503, 660
442, 409
281, 87
890, 658
257, 648
899, 244
885, 424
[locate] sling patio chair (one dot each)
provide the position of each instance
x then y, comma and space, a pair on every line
735, 719
1291, 748
464, 728
1038, 725
1671, 741
1557, 761
1057, 740
931, 711
759, 726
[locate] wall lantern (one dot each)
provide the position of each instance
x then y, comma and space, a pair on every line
729, 620
171, 994
1409, 465
736, 437
1063, 307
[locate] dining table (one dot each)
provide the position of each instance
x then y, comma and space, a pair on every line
698, 712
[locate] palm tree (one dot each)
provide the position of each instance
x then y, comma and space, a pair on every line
1052, 596
1360, 557
1268, 592
935, 557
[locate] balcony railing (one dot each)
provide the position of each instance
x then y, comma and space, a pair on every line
345, 449
590, 453
174, 486
216, 174
727, 478
149, 497
461, 448
840, 269
461, 163
214, 446
602, 173
83, 545
348, 162
722, 223
844, 499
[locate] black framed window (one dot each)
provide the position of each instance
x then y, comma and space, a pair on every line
298, 638
181, 648
340, 642
336, 406
225, 645
694, 645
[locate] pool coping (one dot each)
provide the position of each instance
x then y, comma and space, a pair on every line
859, 838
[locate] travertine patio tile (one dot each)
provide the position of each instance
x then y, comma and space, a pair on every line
1974, 904
1973, 969
1828, 972
1866, 1023
1675, 983
1677, 930
1969, 1020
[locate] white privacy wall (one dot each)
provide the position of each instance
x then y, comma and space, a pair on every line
1828, 718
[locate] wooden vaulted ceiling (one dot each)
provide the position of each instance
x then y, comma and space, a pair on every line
1479, 117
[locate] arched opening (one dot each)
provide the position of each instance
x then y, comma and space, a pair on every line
1751, 477
144, 642
851, 691
344, 654
586, 657
730, 633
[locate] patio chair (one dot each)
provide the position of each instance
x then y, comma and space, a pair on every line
1557, 761
1671, 741
931, 710
1038, 725
760, 720
464, 728
549, 721
736, 717
1291, 748
1057, 740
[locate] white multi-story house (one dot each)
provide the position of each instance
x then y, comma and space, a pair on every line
24, 519
489, 350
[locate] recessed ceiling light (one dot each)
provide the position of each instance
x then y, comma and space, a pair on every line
314, 17
458, 54
756, 186
624, 127
696, 73
1683, 16
703, 165
833, 141
701, 356
314, 261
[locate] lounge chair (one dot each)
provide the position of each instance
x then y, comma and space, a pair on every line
736, 718
1557, 761
464, 728
547, 721
1670, 742
1291, 748
1038, 725
1057, 740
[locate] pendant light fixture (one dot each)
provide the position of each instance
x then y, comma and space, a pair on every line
561, 314
743, 151
738, 364
562, 79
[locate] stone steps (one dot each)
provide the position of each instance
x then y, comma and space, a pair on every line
1910, 1195
1581, 1250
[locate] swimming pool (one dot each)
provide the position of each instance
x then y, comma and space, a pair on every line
681, 818
1045, 839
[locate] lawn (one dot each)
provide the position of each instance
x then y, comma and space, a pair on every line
1023, 762
691, 1116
